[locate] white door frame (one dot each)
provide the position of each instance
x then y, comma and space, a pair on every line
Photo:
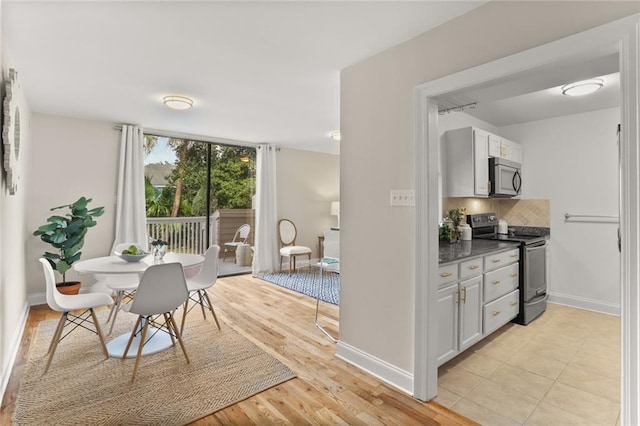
626, 34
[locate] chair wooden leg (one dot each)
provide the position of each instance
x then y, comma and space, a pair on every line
179, 336
143, 337
116, 308
168, 325
133, 335
184, 315
60, 325
206, 295
56, 339
95, 321
281, 263
201, 302
111, 310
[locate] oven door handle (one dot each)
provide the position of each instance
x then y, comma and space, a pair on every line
536, 246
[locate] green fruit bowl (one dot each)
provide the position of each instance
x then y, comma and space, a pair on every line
132, 257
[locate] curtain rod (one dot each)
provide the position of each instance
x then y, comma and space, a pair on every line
190, 136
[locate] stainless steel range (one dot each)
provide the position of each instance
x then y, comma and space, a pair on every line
533, 262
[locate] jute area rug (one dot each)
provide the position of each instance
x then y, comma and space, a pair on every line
84, 388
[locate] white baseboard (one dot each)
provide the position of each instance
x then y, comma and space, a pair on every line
13, 349
394, 376
584, 303
37, 299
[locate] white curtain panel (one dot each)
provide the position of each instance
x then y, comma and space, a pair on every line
131, 217
266, 256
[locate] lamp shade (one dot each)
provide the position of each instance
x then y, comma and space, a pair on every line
335, 208
177, 102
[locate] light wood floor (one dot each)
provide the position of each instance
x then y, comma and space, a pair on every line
327, 389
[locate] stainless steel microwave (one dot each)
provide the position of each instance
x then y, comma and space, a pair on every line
505, 178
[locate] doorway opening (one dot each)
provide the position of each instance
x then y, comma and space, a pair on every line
501, 74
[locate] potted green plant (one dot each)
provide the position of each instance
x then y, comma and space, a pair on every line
66, 234
449, 231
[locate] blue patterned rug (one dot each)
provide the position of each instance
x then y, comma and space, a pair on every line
306, 282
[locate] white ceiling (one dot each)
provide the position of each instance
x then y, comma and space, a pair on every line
257, 71
536, 94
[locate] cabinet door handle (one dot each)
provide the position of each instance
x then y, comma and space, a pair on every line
472, 267
446, 274
514, 275
464, 296
496, 260
514, 303
496, 282
514, 255
495, 313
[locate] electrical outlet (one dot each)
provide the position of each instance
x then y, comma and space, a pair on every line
402, 198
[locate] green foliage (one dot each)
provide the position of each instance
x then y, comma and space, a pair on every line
66, 233
456, 216
158, 202
232, 179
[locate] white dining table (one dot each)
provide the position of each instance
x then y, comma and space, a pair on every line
160, 339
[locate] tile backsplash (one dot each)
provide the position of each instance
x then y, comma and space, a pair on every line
516, 212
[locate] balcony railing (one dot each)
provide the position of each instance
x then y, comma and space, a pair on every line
188, 234
184, 234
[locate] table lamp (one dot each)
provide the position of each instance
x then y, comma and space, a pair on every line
335, 211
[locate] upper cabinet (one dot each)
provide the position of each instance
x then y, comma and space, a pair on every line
465, 160
466, 163
504, 148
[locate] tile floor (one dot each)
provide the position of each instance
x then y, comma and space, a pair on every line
563, 368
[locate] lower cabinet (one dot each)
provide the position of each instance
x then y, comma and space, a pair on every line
459, 317
472, 307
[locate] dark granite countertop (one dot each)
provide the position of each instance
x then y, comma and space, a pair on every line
450, 252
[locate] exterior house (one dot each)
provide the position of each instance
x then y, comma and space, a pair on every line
377, 155
158, 173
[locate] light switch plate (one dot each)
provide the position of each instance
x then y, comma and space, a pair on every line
403, 198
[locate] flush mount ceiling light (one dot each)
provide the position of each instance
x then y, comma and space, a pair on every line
583, 87
335, 135
177, 102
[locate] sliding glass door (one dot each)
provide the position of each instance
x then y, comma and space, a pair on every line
200, 193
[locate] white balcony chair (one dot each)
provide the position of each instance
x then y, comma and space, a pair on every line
288, 233
240, 237
199, 284
161, 291
65, 304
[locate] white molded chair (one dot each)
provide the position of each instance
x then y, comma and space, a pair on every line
65, 304
288, 233
161, 291
240, 237
199, 284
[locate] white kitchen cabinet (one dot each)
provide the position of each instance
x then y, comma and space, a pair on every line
500, 282
511, 151
470, 311
495, 146
466, 163
475, 297
504, 148
500, 311
460, 311
447, 323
